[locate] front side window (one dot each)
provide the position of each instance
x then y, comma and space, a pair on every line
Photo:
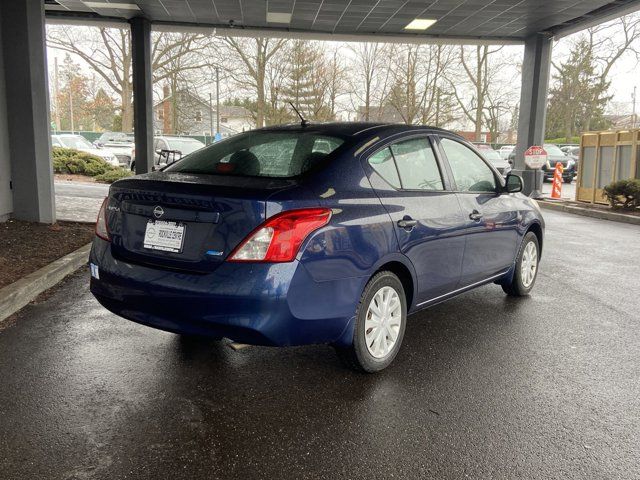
261, 154
417, 165
469, 170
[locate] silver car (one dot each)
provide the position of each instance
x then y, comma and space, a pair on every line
78, 142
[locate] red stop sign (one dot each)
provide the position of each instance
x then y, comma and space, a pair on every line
535, 157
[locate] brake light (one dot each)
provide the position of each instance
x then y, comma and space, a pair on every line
280, 237
101, 224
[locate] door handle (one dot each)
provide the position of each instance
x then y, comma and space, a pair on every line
476, 216
407, 222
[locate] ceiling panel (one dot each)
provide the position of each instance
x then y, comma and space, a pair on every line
510, 19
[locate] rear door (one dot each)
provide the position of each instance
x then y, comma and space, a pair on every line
407, 178
490, 218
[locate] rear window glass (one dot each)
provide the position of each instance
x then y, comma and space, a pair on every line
260, 154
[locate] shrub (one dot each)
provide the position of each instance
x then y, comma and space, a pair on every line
68, 160
113, 175
623, 193
563, 140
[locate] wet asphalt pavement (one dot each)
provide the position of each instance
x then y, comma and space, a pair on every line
484, 387
78, 201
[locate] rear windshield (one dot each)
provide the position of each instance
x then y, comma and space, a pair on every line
260, 154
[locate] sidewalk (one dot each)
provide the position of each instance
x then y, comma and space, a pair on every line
568, 204
79, 202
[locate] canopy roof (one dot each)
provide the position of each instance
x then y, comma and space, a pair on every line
497, 20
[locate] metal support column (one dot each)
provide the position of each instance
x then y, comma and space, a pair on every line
25, 70
142, 93
536, 68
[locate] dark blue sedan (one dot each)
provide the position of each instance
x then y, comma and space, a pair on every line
307, 234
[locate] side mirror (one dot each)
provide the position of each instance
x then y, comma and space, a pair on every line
514, 184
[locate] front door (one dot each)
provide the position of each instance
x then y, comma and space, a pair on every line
491, 219
407, 178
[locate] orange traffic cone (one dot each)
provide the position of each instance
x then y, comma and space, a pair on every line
556, 188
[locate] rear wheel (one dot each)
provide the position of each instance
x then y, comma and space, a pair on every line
380, 325
526, 268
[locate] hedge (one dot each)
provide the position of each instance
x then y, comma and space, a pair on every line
70, 161
113, 175
623, 193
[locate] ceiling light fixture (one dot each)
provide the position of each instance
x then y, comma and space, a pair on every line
420, 24
112, 6
275, 17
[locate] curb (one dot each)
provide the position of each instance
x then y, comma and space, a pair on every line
18, 294
588, 212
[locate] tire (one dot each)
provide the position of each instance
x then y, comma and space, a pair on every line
519, 286
567, 180
133, 166
376, 352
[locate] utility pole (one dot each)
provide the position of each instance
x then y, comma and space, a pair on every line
211, 117
437, 106
70, 87
218, 100
56, 93
633, 115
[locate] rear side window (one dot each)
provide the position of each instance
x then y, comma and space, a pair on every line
417, 165
382, 162
260, 154
470, 172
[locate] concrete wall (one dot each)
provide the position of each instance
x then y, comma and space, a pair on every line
6, 201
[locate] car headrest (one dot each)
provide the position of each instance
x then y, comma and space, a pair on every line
245, 163
312, 160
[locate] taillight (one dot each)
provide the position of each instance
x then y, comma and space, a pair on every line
101, 224
279, 238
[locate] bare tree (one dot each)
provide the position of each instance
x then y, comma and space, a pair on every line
108, 52
255, 55
609, 42
482, 95
417, 73
370, 79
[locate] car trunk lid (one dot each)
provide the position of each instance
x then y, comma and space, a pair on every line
185, 221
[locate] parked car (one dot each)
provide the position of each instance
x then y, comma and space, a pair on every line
567, 148
554, 156
506, 151
169, 149
328, 233
494, 157
121, 144
573, 152
78, 142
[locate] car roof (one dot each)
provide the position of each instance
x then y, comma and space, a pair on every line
176, 137
353, 129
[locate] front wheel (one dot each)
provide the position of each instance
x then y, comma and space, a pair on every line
526, 268
380, 323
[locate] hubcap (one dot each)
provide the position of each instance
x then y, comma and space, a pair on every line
383, 321
529, 264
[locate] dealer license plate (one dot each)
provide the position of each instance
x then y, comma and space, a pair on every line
165, 236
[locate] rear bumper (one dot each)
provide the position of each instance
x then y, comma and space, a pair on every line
261, 304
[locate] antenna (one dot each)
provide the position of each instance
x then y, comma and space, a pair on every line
303, 122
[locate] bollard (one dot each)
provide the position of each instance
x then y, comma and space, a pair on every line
556, 188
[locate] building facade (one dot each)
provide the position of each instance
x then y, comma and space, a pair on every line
185, 113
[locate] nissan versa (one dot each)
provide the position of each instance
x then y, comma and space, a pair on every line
306, 234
